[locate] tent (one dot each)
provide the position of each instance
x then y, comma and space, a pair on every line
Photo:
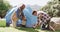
8, 15
31, 19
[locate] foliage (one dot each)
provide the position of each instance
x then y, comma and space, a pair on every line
52, 8
3, 8
2, 23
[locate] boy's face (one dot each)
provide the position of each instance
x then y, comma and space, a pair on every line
35, 13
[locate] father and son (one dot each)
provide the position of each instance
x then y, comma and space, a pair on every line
43, 19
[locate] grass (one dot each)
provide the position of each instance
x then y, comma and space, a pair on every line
20, 29
27, 29
2, 23
3, 28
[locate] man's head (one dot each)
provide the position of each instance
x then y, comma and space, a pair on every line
34, 13
22, 7
20, 11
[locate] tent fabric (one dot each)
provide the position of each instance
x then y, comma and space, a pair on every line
31, 19
28, 18
8, 15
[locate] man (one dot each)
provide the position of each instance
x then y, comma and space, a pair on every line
21, 16
18, 15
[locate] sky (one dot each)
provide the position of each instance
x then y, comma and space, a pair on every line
28, 2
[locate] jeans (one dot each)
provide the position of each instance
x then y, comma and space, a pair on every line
43, 26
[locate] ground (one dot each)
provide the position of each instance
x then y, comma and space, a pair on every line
20, 29
3, 28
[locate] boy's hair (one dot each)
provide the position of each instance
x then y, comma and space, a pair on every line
34, 12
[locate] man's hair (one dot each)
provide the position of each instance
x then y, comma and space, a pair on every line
34, 12
22, 7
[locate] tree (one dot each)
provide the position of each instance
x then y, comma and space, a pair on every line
3, 8
52, 8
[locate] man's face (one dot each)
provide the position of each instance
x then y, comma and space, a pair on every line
21, 11
35, 13
23, 6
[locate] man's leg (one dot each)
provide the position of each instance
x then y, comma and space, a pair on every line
14, 23
7, 24
23, 23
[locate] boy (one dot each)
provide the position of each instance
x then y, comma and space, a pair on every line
44, 17
35, 22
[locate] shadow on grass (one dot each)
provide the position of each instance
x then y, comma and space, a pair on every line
57, 30
2, 26
27, 29
31, 29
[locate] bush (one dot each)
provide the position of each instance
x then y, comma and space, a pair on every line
52, 8
4, 7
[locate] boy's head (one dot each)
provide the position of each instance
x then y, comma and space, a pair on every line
34, 13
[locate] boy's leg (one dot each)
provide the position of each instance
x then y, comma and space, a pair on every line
43, 26
48, 24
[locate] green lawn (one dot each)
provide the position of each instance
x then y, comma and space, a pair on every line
3, 28
2, 22
20, 29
